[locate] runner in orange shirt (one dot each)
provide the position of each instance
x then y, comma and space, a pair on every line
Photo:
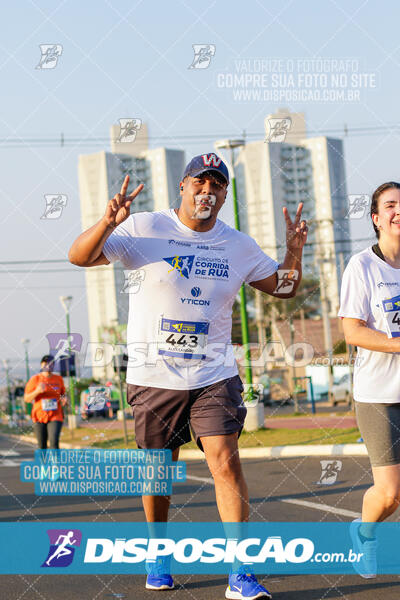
46, 391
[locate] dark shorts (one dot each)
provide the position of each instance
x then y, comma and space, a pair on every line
164, 418
379, 424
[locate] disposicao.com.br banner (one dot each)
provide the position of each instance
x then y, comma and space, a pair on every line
207, 548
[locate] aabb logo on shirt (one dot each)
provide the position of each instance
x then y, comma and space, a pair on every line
211, 160
182, 264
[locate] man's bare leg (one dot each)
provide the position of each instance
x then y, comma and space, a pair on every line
156, 507
231, 492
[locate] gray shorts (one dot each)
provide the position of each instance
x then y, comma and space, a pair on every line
164, 418
379, 425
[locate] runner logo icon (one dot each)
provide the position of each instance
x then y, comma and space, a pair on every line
183, 264
62, 547
330, 470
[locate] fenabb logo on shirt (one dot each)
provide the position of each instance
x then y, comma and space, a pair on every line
204, 267
196, 292
199, 246
389, 283
178, 243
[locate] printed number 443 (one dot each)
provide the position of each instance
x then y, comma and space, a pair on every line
172, 339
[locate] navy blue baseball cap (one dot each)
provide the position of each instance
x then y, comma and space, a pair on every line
206, 162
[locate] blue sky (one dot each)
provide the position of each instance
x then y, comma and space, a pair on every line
131, 59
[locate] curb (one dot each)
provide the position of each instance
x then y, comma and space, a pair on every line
289, 451
264, 452
30, 439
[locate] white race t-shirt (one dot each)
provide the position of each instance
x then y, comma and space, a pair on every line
183, 287
370, 288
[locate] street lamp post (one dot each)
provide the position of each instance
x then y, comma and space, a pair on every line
25, 343
117, 355
231, 145
66, 302
6, 364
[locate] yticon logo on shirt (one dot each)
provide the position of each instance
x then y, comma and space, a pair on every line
62, 547
196, 292
211, 268
181, 264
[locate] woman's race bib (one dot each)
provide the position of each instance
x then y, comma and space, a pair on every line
49, 404
391, 311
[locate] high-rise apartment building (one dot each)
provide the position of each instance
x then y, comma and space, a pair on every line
271, 175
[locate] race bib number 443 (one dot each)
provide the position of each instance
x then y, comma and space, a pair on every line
183, 339
391, 311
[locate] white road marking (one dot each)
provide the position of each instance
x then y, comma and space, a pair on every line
203, 479
10, 463
323, 507
316, 505
7, 453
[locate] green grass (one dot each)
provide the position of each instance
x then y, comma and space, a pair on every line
101, 437
260, 438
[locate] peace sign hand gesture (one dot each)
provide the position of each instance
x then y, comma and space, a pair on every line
296, 232
117, 210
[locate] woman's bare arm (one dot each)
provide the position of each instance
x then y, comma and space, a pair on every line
357, 333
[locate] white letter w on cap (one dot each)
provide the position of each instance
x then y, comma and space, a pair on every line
211, 159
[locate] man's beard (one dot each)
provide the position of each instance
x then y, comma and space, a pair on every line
203, 204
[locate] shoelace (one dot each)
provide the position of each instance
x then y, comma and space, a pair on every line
160, 568
247, 577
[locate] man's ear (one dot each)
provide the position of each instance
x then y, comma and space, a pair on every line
181, 186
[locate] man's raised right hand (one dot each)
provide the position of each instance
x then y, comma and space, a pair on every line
117, 210
40, 388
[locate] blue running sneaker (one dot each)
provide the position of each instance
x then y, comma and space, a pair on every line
243, 585
367, 565
158, 577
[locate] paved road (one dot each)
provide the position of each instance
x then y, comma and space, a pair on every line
281, 490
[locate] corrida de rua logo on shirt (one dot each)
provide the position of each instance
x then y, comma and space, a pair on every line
204, 267
182, 264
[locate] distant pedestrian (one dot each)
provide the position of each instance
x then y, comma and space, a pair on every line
46, 392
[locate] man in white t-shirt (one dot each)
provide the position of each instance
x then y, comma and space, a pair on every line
181, 370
